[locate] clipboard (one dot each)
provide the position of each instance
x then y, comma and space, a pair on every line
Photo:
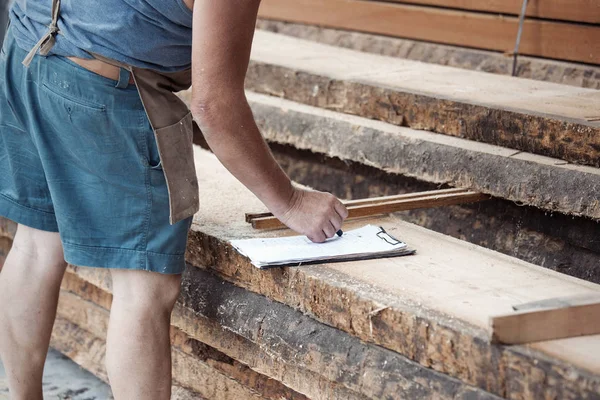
368, 242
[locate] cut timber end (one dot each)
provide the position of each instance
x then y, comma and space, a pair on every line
565, 320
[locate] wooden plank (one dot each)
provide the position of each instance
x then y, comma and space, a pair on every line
569, 10
566, 319
551, 240
541, 69
366, 209
375, 200
536, 117
565, 41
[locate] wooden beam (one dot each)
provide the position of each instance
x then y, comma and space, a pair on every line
548, 320
565, 41
568, 10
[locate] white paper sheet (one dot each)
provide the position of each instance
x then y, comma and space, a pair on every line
369, 241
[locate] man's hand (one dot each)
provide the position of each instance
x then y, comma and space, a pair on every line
315, 214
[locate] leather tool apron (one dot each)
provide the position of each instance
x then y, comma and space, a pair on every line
169, 116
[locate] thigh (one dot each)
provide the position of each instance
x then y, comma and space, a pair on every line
42, 246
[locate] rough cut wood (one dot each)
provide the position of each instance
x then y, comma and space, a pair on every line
87, 283
577, 317
559, 40
536, 117
566, 73
524, 178
572, 10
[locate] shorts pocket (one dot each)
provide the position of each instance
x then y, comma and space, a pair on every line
176, 150
73, 99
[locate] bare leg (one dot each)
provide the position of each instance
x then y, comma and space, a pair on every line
138, 353
29, 288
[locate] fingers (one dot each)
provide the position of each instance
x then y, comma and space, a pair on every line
318, 237
329, 230
333, 222
336, 221
341, 210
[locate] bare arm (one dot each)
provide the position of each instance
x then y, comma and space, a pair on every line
223, 32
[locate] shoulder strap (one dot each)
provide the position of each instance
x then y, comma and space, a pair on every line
46, 43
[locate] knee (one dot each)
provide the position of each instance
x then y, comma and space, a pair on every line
146, 290
36, 248
169, 291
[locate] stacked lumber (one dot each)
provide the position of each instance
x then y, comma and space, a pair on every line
413, 327
566, 30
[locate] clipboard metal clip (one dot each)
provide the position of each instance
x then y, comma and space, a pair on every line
383, 235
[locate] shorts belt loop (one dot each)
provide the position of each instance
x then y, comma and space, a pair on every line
123, 78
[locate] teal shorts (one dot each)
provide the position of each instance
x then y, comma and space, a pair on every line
78, 157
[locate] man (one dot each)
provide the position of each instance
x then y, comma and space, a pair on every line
84, 159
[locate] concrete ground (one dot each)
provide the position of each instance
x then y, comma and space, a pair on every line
64, 380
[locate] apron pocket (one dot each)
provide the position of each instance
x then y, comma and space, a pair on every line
176, 151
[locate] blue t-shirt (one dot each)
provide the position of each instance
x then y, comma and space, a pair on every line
154, 34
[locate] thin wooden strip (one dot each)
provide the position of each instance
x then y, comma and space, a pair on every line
559, 40
252, 216
534, 325
386, 199
373, 200
411, 204
569, 10
358, 211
